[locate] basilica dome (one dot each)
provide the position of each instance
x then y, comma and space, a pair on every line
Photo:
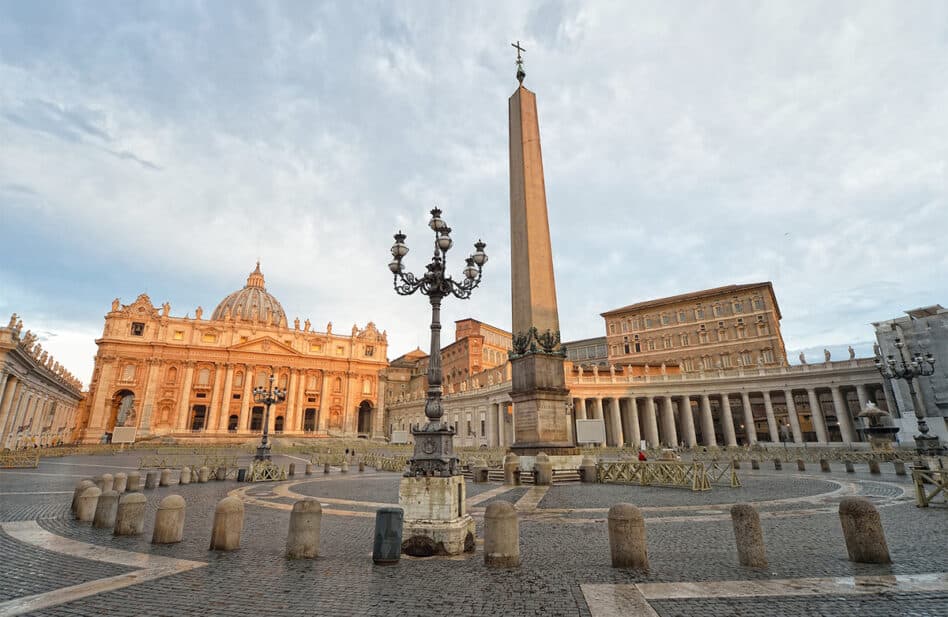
252, 303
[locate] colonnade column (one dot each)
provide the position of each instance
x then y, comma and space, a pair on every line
598, 415
632, 415
498, 424
707, 422
862, 395
816, 415
750, 428
842, 415
730, 438
223, 412
616, 419
687, 422
792, 416
651, 423
668, 422
772, 419
184, 404
6, 405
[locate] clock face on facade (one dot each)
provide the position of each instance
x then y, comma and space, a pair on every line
429, 446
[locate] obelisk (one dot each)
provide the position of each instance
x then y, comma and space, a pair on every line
539, 393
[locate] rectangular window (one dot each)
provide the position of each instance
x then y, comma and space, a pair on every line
747, 358
768, 356
665, 319
179, 335
208, 337
706, 362
625, 326
201, 395
138, 328
738, 306
638, 348
758, 304
681, 317
612, 328
340, 350
651, 345
699, 313
725, 360
483, 428
717, 310
237, 397
369, 351
684, 340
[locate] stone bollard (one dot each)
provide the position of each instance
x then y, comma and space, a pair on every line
130, 516
228, 523
165, 478
151, 479
777, 464
88, 500
899, 468
361, 466
748, 536
83, 485
195, 475
133, 483
627, 537
587, 469
291, 470
105, 509
204, 474
220, 474
185, 476
501, 535
302, 541
801, 466
511, 469
326, 467
862, 529
825, 465
104, 482
169, 520
387, 544
310, 468
755, 464
344, 466
849, 467
874, 466
119, 483
478, 470
543, 470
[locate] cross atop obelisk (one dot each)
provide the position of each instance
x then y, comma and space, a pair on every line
520, 72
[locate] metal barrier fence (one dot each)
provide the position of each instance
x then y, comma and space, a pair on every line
179, 461
697, 476
22, 459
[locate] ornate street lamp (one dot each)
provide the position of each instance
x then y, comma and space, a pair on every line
434, 448
909, 366
267, 396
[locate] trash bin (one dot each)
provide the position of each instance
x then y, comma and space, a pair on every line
387, 548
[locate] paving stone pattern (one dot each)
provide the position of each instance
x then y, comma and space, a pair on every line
559, 553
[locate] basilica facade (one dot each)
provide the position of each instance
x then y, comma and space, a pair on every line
192, 378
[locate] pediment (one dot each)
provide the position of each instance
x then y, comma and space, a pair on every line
266, 344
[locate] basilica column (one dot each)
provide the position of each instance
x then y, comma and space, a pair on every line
816, 414
223, 412
771, 418
151, 387
842, 416
184, 403
707, 422
750, 427
243, 423
687, 421
730, 438
616, 418
651, 423
792, 416
213, 420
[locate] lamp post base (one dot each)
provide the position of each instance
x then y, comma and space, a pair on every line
263, 453
436, 519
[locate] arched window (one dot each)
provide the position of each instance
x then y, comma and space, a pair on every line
337, 385
366, 386
171, 375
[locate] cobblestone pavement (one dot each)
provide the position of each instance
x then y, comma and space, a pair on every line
564, 545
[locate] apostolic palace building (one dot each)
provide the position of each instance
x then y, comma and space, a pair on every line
191, 378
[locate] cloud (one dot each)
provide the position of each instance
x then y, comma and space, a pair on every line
164, 149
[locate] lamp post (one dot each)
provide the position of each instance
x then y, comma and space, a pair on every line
909, 366
268, 397
434, 448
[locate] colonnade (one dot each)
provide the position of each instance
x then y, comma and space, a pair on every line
33, 414
726, 418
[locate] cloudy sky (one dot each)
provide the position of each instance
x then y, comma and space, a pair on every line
163, 147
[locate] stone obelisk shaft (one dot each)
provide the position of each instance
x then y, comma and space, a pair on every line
533, 288
539, 389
